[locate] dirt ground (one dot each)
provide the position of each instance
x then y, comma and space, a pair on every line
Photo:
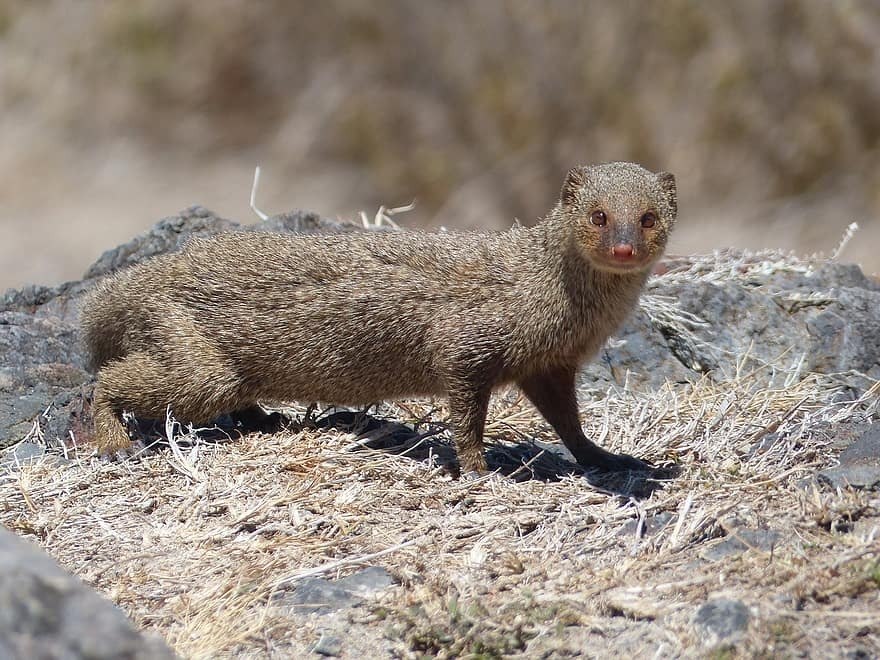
206, 542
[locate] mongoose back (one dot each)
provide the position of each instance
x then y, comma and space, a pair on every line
243, 318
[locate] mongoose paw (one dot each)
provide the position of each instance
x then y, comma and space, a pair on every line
472, 464
133, 451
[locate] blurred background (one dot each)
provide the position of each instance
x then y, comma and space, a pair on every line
114, 114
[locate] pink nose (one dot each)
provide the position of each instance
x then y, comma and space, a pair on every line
622, 250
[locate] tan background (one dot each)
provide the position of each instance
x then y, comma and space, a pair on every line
114, 114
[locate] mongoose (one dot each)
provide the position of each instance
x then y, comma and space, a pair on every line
242, 318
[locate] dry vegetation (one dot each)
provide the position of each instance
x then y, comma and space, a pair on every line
201, 540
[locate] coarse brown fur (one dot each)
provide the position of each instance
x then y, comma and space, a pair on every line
242, 318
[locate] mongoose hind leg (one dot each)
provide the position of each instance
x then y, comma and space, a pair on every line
553, 394
468, 406
142, 384
111, 436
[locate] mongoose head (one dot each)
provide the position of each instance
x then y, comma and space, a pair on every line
621, 214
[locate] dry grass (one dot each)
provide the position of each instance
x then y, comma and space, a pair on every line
201, 540
196, 541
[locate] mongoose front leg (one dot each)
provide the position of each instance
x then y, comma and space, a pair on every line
468, 403
553, 393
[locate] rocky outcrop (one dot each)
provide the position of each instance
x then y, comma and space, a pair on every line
730, 314
47, 613
716, 316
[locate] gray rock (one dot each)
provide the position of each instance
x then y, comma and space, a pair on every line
829, 313
167, 235
22, 453
741, 540
721, 621
830, 316
859, 463
56, 416
653, 524
855, 476
320, 596
302, 222
368, 580
40, 354
170, 234
47, 613
328, 645
17, 414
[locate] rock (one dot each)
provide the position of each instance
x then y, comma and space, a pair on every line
170, 234
167, 235
368, 581
22, 453
48, 613
859, 463
721, 622
824, 312
329, 645
854, 476
739, 541
40, 354
653, 524
302, 222
320, 596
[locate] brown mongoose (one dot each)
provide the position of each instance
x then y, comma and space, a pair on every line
242, 318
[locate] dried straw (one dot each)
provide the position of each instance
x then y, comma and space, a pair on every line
201, 541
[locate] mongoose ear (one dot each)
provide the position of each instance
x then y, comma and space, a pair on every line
667, 182
573, 180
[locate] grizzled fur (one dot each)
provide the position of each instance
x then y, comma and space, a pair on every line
244, 318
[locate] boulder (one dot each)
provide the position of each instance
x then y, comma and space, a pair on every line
47, 613
729, 313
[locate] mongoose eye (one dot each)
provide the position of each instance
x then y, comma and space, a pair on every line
599, 218
649, 219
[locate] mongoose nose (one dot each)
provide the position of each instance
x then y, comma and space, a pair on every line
622, 250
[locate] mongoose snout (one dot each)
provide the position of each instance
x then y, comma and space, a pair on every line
243, 318
622, 251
